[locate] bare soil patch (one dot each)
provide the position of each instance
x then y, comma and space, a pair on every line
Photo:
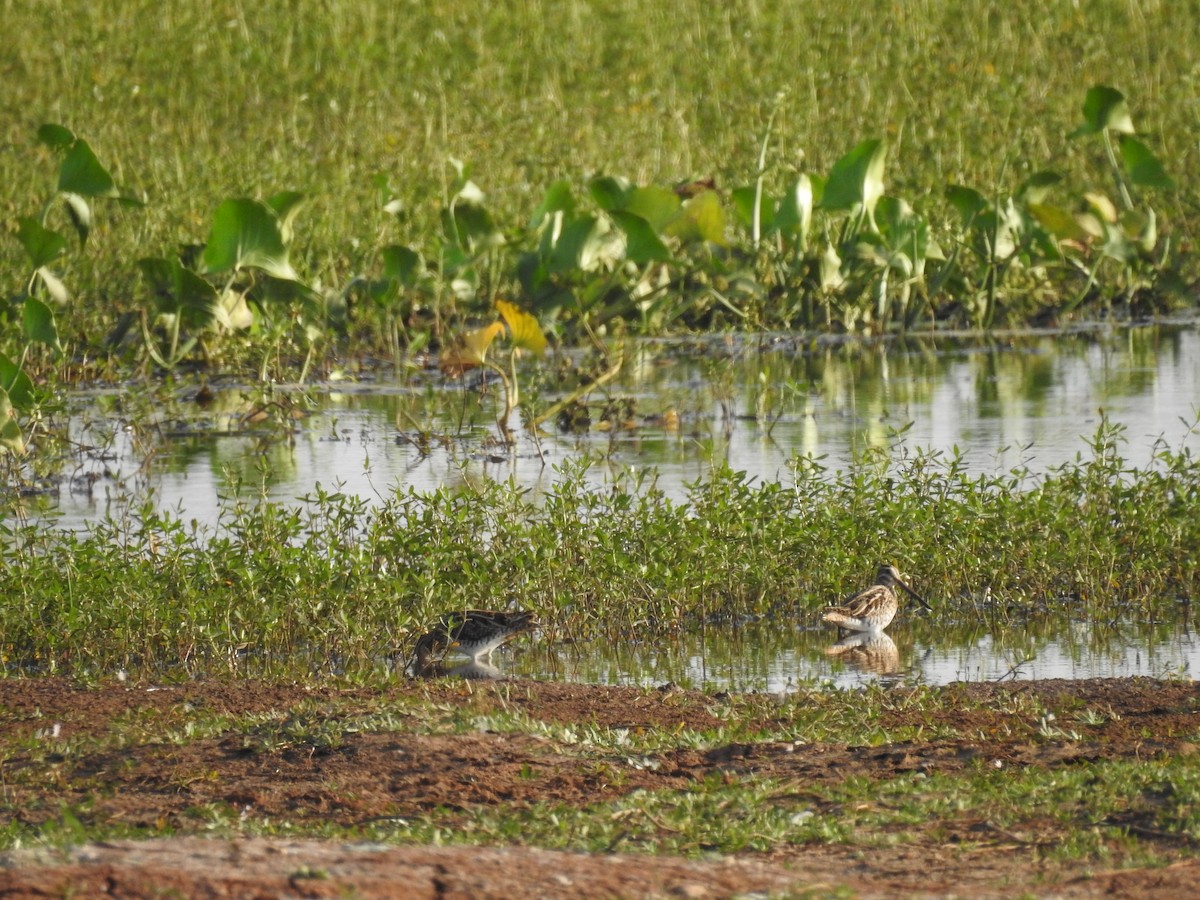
361, 775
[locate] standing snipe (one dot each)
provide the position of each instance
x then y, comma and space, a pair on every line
473, 633
874, 608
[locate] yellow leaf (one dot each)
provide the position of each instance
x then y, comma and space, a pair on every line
524, 328
1101, 206
10, 432
469, 349
701, 219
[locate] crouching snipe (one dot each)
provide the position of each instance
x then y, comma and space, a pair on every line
472, 633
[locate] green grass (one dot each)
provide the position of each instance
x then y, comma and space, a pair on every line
331, 579
1116, 810
198, 103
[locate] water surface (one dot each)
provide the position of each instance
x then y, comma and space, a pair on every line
778, 657
676, 411
682, 409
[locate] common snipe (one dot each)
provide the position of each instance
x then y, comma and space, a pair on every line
472, 633
874, 608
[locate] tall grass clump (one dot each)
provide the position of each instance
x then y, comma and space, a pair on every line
644, 166
338, 582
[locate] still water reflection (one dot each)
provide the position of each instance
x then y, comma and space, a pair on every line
763, 657
1027, 402
1030, 402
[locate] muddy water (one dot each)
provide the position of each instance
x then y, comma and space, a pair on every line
1029, 401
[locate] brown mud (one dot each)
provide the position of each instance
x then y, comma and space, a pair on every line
349, 776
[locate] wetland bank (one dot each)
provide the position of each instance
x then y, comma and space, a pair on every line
285, 284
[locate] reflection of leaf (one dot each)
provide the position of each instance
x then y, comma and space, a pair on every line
523, 327
469, 349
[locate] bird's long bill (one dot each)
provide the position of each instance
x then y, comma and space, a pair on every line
914, 595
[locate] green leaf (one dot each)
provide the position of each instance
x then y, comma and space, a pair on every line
245, 233
657, 205
1058, 221
573, 243
286, 204
401, 264
232, 312
608, 193
56, 137
1035, 188
38, 324
463, 188
794, 216
1104, 108
969, 202
16, 384
1142, 228
179, 291
830, 269
743, 207
701, 219
81, 173
11, 438
642, 245
41, 244
558, 198
470, 226
602, 247
857, 179
1143, 167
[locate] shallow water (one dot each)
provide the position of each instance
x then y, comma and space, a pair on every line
1029, 402
767, 657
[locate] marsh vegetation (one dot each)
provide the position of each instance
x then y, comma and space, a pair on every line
199, 195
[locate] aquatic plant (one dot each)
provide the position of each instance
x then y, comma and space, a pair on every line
333, 579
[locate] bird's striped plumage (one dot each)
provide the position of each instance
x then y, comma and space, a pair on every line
473, 633
874, 608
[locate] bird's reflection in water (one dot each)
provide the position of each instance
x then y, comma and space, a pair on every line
871, 652
467, 668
